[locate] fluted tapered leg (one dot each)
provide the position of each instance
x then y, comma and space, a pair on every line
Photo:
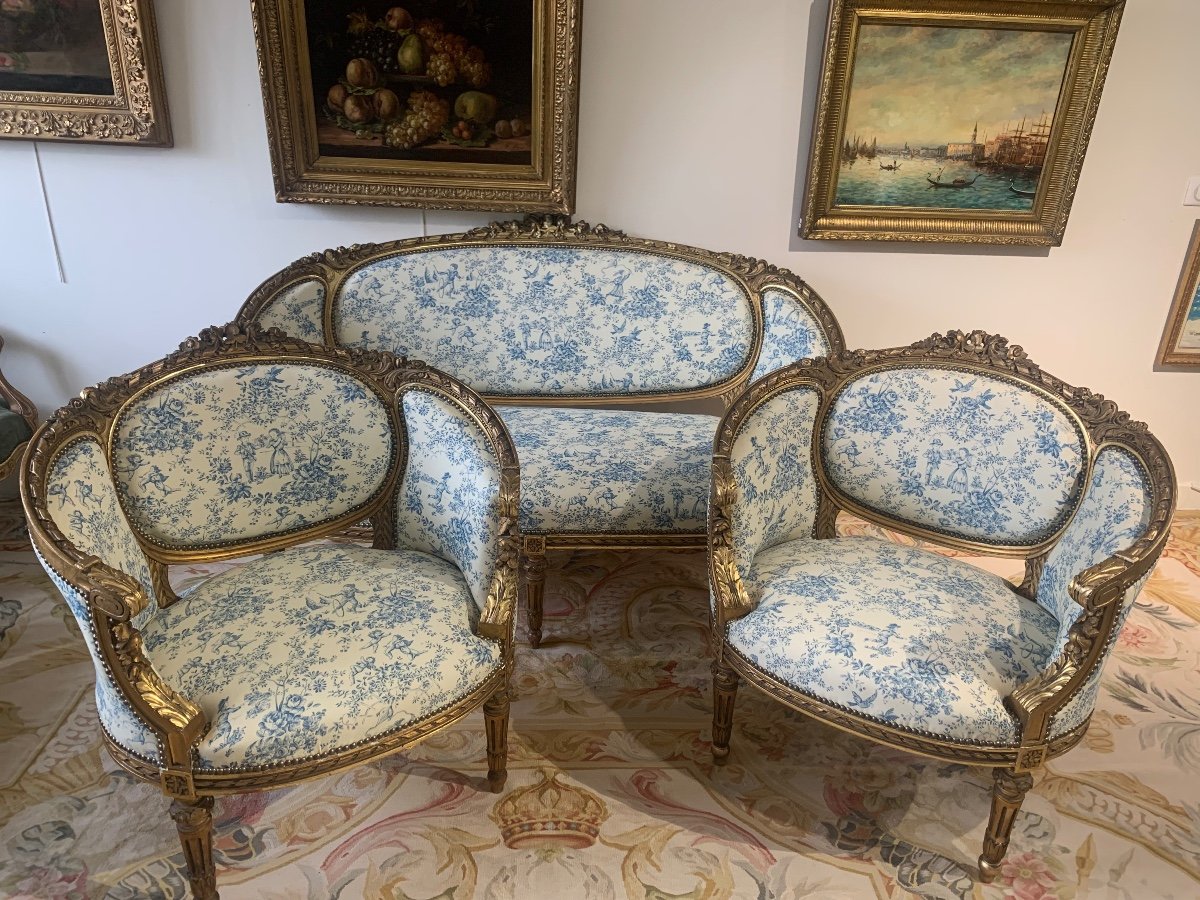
495, 717
533, 567
193, 820
725, 685
1007, 795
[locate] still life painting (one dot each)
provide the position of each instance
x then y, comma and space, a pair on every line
956, 122
1180, 344
464, 104
81, 70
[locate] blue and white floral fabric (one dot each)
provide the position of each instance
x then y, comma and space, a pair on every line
604, 471
563, 321
234, 454
790, 333
447, 500
894, 633
315, 649
1114, 514
958, 452
83, 503
772, 470
298, 309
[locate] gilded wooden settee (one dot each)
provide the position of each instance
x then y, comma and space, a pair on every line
962, 442
311, 657
549, 321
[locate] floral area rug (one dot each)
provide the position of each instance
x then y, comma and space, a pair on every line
610, 742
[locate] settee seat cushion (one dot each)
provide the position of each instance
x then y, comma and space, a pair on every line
896, 634
605, 471
312, 650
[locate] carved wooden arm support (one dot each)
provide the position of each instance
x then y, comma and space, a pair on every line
1100, 590
496, 622
732, 599
115, 599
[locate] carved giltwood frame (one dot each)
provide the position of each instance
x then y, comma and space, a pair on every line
753, 276
134, 113
302, 175
1094, 24
1099, 589
115, 599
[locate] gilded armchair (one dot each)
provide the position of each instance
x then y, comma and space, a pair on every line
963, 442
313, 656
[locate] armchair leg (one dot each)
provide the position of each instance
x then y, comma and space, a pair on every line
193, 820
1007, 795
495, 716
533, 567
725, 685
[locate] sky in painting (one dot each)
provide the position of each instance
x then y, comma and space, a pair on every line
928, 86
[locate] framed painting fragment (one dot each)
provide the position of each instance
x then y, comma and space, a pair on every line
1180, 344
960, 121
82, 70
452, 104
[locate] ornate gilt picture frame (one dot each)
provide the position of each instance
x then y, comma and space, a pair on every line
435, 104
960, 121
86, 71
1180, 345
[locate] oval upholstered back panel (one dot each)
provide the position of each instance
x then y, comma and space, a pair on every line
791, 332
552, 321
954, 451
234, 454
298, 309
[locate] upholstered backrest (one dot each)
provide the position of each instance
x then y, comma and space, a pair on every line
519, 320
236, 453
550, 312
954, 450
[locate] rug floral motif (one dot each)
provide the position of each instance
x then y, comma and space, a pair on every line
610, 758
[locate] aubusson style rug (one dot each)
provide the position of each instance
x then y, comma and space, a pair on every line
610, 741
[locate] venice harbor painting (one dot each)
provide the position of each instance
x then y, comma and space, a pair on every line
947, 117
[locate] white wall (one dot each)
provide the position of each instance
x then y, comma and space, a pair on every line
694, 126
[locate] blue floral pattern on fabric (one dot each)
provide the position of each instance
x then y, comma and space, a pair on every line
299, 310
966, 454
772, 469
605, 471
546, 320
83, 503
447, 502
898, 634
311, 650
790, 333
1114, 514
239, 453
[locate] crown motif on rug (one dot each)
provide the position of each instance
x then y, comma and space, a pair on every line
549, 813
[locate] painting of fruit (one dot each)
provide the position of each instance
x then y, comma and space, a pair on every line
432, 80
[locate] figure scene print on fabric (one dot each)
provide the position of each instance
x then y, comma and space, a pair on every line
238, 453
552, 320
299, 310
790, 333
957, 451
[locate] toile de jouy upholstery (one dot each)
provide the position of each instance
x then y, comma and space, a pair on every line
306, 656
543, 317
963, 443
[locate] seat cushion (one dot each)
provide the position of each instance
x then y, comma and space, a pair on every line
600, 470
894, 633
308, 651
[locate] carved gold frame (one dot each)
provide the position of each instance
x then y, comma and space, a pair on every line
136, 111
302, 175
753, 276
1094, 23
1169, 352
1099, 589
115, 599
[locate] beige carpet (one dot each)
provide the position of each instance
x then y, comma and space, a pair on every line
610, 733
